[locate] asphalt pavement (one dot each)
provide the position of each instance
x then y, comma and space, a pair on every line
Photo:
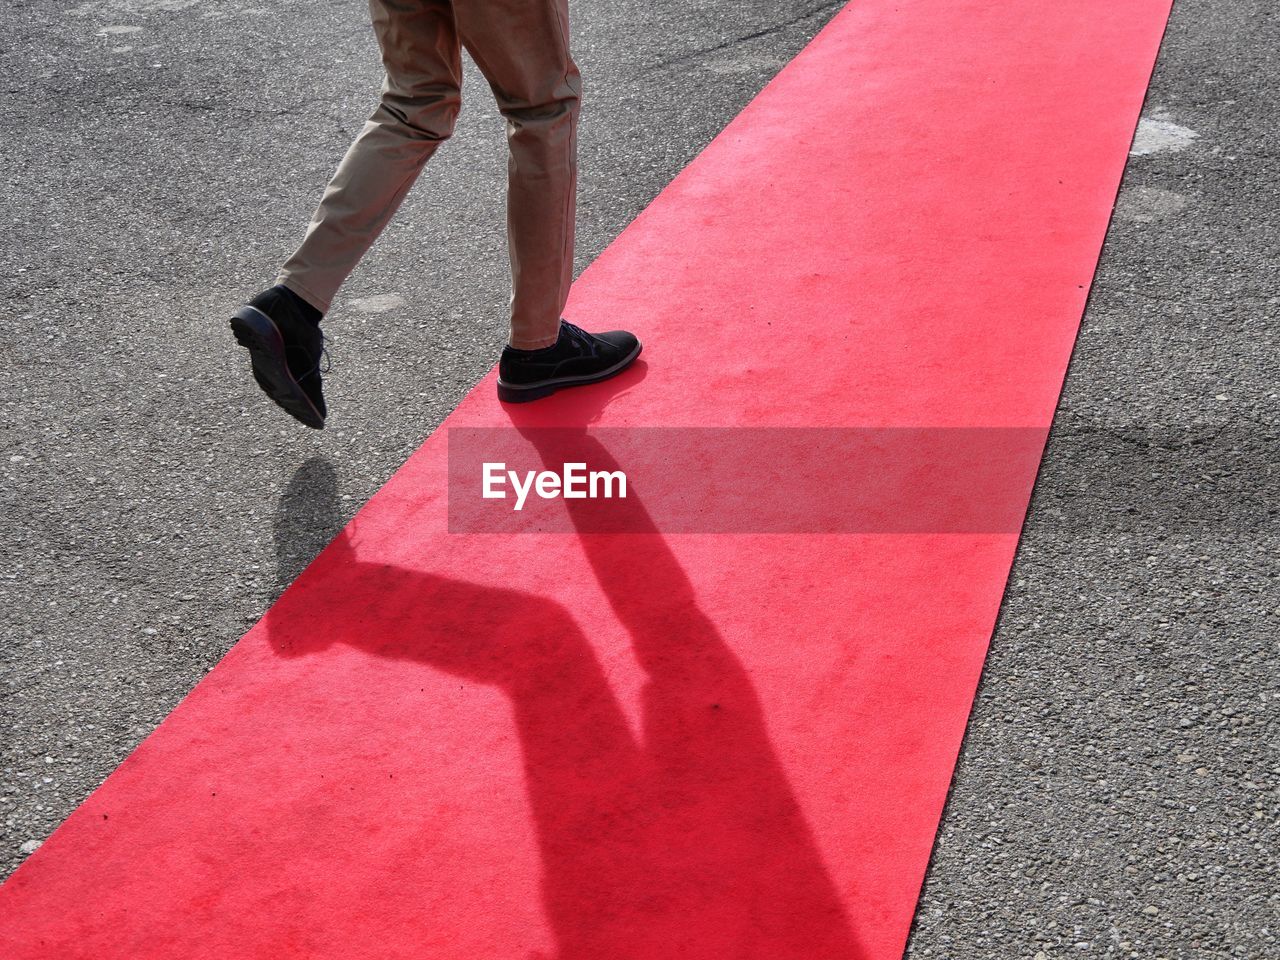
1119, 789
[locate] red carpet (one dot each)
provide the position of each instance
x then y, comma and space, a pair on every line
725, 744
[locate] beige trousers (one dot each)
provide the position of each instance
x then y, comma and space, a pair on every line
522, 48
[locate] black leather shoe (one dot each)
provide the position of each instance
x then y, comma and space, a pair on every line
285, 349
577, 358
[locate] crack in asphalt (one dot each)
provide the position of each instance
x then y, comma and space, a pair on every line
746, 38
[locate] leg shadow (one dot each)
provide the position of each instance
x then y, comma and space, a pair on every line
687, 844
308, 516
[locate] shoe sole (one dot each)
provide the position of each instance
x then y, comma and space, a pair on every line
517, 393
258, 334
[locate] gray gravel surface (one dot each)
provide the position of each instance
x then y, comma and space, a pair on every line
1117, 794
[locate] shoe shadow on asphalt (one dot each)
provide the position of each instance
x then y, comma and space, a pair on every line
308, 517
688, 842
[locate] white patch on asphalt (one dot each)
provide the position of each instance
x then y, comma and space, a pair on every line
131, 7
1157, 135
1148, 204
742, 64
110, 31
379, 303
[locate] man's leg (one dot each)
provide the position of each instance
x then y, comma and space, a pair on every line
420, 102
522, 48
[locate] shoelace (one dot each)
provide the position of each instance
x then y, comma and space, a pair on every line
324, 355
580, 336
